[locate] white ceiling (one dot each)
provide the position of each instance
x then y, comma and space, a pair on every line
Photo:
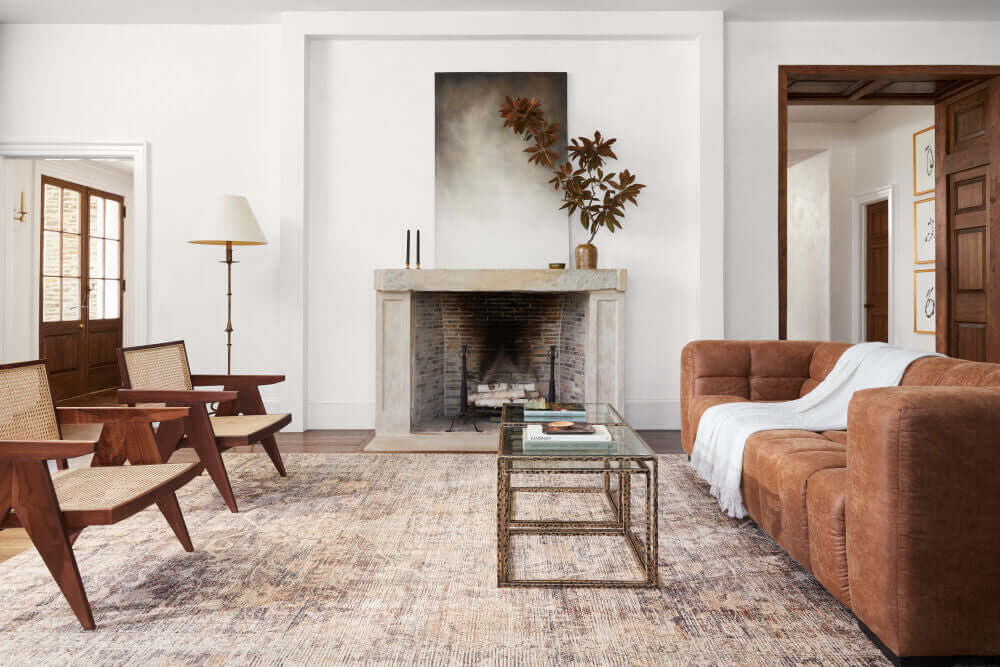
832, 113
265, 11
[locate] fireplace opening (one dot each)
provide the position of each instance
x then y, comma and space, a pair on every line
509, 344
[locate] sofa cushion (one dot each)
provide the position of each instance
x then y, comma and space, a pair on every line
749, 486
971, 374
836, 436
778, 369
823, 360
927, 371
777, 466
826, 497
719, 367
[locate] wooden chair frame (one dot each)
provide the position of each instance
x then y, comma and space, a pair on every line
28, 497
240, 394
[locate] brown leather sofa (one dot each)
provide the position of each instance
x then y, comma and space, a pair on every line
899, 515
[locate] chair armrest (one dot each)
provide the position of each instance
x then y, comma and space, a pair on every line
118, 415
205, 380
923, 506
44, 450
175, 396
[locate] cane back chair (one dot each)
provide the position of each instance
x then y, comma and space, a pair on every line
55, 506
161, 374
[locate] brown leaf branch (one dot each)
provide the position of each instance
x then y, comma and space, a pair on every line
598, 197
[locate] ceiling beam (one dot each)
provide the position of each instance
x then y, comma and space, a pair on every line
864, 101
892, 72
868, 89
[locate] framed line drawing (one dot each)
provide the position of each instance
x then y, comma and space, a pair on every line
923, 231
923, 161
924, 301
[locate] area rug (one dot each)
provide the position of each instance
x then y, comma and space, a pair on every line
390, 560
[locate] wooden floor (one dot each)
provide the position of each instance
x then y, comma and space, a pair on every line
341, 441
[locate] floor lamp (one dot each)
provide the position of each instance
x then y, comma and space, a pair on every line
230, 222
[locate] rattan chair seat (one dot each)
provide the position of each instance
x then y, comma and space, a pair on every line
103, 488
241, 426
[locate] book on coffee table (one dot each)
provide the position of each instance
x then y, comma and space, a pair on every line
573, 412
535, 439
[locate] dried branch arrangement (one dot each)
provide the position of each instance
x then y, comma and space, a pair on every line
598, 196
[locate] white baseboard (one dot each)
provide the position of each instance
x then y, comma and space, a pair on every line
653, 414
332, 414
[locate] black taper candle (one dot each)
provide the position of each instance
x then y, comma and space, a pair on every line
407, 248
418, 248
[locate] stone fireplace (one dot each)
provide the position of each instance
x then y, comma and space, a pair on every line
507, 321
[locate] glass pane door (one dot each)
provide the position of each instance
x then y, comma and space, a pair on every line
105, 258
62, 242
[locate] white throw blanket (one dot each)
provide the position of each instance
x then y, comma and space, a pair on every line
724, 429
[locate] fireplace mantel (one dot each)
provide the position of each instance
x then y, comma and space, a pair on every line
499, 280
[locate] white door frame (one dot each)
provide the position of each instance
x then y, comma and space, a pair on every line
858, 248
136, 326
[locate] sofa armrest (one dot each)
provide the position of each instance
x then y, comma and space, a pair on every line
712, 367
923, 518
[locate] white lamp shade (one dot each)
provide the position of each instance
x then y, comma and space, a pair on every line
231, 221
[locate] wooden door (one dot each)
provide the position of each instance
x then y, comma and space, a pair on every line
81, 286
877, 272
967, 164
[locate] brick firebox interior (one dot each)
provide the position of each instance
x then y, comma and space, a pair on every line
508, 334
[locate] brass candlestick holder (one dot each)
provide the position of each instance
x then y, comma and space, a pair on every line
20, 213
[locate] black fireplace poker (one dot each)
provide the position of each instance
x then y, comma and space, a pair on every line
552, 375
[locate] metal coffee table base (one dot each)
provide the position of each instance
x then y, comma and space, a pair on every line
644, 550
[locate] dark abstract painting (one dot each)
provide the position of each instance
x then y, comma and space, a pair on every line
493, 209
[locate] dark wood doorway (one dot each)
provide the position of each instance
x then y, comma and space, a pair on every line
946, 87
81, 285
967, 224
877, 272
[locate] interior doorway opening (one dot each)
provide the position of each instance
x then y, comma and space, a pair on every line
66, 261
938, 117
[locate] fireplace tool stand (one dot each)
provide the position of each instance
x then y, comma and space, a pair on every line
552, 374
465, 415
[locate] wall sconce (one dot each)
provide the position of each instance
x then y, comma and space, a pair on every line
20, 213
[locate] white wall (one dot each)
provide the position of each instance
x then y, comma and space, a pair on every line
809, 248
20, 303
360, 200
206, 99
18, 313
753, 53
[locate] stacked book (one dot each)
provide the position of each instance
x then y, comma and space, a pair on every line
580, 438
571, 412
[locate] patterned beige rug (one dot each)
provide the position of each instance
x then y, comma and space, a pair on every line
391, 560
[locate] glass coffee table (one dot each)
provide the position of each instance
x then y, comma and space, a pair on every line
613, 469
